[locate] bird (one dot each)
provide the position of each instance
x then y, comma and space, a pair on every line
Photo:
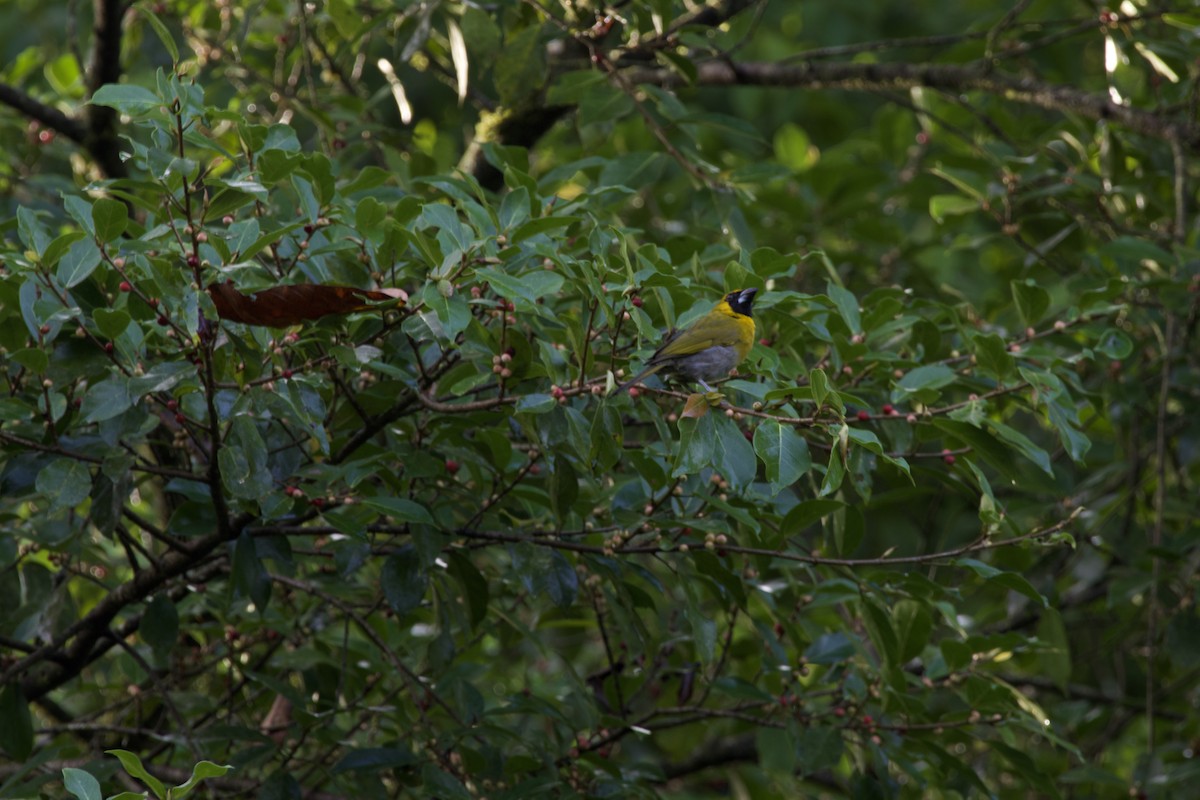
708, 348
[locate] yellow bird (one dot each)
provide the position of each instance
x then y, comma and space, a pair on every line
708, 348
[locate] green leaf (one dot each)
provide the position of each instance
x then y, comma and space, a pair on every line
82, 784
112, 322
846, 304
243, 461
733, 456
127, 98
1008, 580
818, 381
1188, 22
525, 290
31, 358
1183, 639
514, 209
776, 751
992, 356
835, 473
31, 230
983, 444
521, 67
793, 148
369, 219
160, 30
806, 513
923, 380
80, 260
80, 210
16, 734
201, 771
133, 766
1055, 659
65, 482
1031, 299
160, 625
913, 625
541, 225
1115, 344
697, 444
475, 587
400, 509
559, 581
63, 75
784, 453
1023, 445
250, 577
536, 404
818, 748
110, 218
829, 648
404, 580
946, 205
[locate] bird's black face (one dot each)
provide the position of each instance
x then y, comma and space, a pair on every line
741, 300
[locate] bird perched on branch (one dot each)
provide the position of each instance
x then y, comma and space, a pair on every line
708, 348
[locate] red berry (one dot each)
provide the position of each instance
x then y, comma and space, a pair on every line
947, 456
765, 342
287, 373
889, 409
452, 466
126, 286
864, 416
179, 418
839, 712
193, 260
635, 391
535, 469
317, 502
162, 320
309, 228
172, 405
153, 301
44, 329
108, 347
46, 136
636, 301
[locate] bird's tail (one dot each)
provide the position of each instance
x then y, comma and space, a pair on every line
645, 373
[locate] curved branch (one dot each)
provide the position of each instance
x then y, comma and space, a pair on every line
46, 115
63, 661
948, 78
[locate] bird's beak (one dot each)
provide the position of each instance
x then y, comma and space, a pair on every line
747, 296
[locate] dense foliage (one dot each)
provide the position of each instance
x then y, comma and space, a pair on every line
935, 538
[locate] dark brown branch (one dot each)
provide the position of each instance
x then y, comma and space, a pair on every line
948, 78
48, 116
710, 15
715, 753
62, 661
104, 67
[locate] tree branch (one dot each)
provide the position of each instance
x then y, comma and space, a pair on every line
104, 67
64, 661
48, 116
948, 78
